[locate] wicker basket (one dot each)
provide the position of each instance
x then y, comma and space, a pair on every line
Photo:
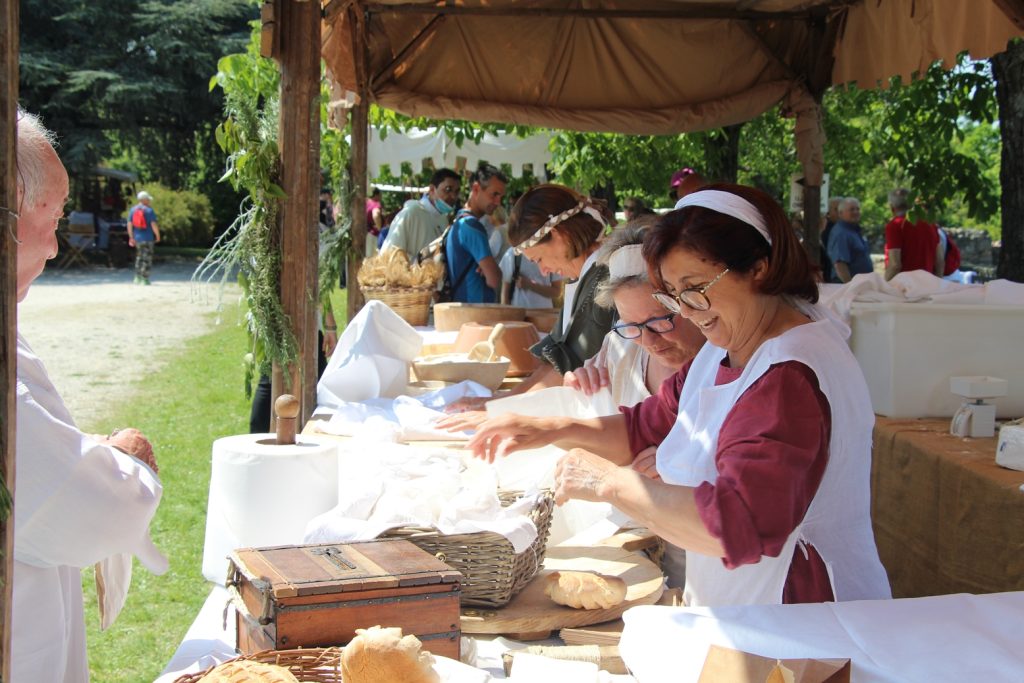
493, 573
313, 665
413, 305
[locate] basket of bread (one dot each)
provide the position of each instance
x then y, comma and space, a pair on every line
406, 288
375, 655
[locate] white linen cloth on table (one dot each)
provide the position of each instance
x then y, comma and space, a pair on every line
936, 639
371, 359
917, 286
422, 487
405, 418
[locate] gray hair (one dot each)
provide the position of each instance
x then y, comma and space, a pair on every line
632, 233
33, 142
898, 199
846, 201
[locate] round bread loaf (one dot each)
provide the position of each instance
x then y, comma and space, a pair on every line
585, 590
383, 655
245, 671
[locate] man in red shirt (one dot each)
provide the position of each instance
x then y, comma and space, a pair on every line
910, 245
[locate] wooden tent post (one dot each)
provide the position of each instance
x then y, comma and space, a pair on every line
8, 307
357, 164
298, 33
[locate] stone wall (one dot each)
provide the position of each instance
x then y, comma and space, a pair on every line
975, 247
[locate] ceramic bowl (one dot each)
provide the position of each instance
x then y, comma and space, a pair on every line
514, 343
543, 319
455, 367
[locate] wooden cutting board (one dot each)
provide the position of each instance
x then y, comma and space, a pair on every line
531, 615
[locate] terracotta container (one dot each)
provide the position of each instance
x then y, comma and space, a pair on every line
543, 319
514, 343
449, 317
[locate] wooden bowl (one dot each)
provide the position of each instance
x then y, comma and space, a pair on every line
514, 343
543, 319
455, 367
449, 317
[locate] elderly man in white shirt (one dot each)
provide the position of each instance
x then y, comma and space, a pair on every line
80, 499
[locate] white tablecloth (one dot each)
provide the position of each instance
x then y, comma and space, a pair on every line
953, 638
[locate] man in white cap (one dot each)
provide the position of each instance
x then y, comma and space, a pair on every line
143, 234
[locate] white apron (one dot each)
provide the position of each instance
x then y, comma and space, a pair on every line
838, 520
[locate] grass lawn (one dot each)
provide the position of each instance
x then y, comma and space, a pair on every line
196, 398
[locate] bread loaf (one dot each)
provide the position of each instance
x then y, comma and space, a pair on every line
244, 671
383, 655
585, 590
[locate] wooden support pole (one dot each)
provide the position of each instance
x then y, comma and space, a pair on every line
298, 41
812, 218
8, 307
357, 164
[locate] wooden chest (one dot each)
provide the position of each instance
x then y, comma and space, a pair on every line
318, 595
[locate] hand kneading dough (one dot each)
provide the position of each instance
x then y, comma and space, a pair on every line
584, 590
382, 655
243, 671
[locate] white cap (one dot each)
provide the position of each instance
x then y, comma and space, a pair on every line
144, 195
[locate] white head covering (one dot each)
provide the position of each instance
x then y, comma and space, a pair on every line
626, 262
143, 196
729, 204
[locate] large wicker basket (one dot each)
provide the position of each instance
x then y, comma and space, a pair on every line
493, 572
413, 305
313, 665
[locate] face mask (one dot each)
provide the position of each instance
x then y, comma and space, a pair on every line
442, 207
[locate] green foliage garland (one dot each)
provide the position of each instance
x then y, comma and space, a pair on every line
251, 246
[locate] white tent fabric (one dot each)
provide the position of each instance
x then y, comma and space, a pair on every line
416, 145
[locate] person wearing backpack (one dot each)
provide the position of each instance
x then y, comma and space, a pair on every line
910, 245
143, 234
472, 269
423, 220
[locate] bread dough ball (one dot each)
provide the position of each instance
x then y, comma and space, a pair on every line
383, 655
244, 671
585, 590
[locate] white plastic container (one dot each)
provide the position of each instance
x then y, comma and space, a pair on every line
908, 352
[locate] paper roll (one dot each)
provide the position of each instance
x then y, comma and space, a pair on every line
263, 494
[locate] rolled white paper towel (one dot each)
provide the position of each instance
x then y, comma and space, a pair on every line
263, 494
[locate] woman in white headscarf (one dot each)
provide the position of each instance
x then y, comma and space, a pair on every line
763, 439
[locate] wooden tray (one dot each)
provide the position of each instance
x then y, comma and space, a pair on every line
532, 616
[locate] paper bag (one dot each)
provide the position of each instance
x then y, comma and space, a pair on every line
725, 664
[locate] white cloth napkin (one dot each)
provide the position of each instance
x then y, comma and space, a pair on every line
371, 359
406, 486
406, 418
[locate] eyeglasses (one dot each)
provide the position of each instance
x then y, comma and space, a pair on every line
659, 325
694, 297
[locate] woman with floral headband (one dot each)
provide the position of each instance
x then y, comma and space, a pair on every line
763, 439
560, 230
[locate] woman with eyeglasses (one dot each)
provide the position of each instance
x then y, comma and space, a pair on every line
763, 439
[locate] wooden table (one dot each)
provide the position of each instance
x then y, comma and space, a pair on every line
947, 519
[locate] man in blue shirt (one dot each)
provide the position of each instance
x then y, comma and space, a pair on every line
143, 234
472, 269
847, 247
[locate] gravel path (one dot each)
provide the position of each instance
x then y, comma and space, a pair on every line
98, 333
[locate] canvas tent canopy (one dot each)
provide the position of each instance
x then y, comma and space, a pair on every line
415, 145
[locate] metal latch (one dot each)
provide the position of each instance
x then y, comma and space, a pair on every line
337, 558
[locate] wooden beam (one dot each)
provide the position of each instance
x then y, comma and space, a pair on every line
8, 307
406, 51
695, 10
298, 29
357, 163
1014, 11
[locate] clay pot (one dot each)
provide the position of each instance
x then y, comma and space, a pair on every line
449, 317
543, 319
514, 343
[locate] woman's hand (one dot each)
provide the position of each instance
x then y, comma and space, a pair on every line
506, 434
582, 475
644, 463
591, 377
466, 404
462, 422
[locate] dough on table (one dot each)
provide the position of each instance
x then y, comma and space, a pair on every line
585, 590
383, 655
